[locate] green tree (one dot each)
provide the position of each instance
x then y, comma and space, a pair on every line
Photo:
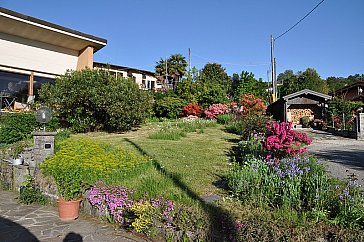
289, 83
176, 67
245, 83
309, 79
213, 85
95, 100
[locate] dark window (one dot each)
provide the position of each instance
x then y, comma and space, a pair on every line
144, 77
14, 85
38, 81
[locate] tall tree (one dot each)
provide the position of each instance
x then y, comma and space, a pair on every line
309, 79
213, 85
176, 67
245, 83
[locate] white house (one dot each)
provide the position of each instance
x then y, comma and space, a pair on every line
35, 51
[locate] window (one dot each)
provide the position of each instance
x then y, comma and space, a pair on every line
14, 85
38, 81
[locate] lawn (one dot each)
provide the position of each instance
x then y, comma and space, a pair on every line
183, 170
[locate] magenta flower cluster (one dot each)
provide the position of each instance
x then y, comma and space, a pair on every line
215, 110
116, 202
282, 140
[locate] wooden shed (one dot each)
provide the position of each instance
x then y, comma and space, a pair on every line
293, 107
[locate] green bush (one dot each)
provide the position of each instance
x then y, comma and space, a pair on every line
305, 120
225, 118
17, 126
169, 107
29, 194
247, 125
81, 161
95, 100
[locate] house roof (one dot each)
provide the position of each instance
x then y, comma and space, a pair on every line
14, 23
347, 87
123, 68
306, 92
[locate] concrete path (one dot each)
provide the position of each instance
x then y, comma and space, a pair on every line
342, 156
23, 223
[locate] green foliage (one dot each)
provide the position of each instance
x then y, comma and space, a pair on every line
176, 67
169, 107
81, 162
247, 125
29, 194
177, 130
17, 126
213, 85
245, 83
339, 106
225, 118
308, 79
94, 99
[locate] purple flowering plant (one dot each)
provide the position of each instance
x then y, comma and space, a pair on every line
119, 204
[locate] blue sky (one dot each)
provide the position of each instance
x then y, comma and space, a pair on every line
234, 33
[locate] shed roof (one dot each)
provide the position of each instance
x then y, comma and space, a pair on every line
14, 23
306, 92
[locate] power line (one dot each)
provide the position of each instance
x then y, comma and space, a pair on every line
300, 20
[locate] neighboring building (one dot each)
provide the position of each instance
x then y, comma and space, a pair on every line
145, 79
292, 107
351, 92
34, 51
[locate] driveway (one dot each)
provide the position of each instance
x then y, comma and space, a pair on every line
342, 156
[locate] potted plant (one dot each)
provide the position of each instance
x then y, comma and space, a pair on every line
69, 186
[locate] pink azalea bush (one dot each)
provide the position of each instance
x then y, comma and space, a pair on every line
215, 110
282, 140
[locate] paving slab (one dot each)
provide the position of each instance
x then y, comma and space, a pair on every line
23, 223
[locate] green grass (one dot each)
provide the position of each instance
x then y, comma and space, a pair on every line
182, 170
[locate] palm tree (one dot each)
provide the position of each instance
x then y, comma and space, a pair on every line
176, 67
160, 72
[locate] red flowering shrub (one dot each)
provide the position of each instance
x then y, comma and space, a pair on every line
192, 109
252, 105
282, 140
337, 122
215, 110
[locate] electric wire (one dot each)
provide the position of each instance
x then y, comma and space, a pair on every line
300, 20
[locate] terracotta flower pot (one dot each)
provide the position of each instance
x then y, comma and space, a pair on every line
68, 210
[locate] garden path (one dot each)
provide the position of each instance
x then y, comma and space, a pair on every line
342, 156
23, 223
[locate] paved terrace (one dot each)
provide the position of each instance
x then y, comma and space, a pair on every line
23, 223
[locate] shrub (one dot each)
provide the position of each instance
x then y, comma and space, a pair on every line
225, 118
169, 107
94, 99
283, 141
252, 105
248, 125
82, 161
215, 110
192, 109
29, 194
17, 126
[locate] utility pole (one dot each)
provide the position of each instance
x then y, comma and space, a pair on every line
189, 60
166, 80
273, 62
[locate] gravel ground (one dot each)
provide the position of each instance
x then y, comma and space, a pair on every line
342, 156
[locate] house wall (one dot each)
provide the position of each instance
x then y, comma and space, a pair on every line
33, 55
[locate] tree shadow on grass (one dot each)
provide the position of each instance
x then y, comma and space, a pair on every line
222, 221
